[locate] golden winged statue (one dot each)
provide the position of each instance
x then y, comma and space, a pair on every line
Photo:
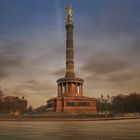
69, 12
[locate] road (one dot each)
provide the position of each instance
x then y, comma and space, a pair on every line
70, 130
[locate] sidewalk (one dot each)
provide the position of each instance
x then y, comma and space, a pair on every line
66, 119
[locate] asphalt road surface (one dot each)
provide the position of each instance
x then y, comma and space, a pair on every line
70, 130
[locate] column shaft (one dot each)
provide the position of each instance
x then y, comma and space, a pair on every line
81, 89
61, 89
69, 51
66, 86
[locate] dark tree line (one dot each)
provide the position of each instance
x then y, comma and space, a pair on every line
128, 103
121, 104
11, 105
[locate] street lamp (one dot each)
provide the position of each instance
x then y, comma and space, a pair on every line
105, 101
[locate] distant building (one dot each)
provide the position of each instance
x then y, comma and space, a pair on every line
70, 96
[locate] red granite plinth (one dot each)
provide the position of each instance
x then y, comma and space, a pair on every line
72, 104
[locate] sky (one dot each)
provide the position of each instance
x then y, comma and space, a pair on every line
32, 47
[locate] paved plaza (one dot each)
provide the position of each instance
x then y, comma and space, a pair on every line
70, 130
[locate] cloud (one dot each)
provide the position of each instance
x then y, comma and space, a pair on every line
134, 48
60, 72
6, 62
37, 86
116, 68
123, 77
105, 66
9, 57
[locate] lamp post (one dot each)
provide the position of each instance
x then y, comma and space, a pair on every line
105, 101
